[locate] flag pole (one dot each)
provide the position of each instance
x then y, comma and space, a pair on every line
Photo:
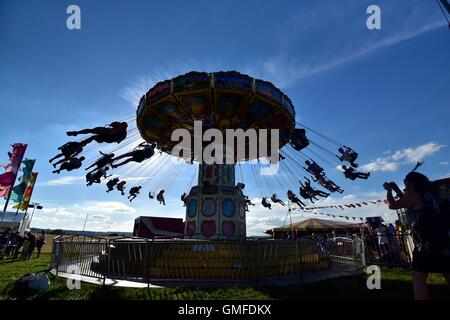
85, 221
9, 196
24, 216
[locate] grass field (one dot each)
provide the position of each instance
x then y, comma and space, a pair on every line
395, 284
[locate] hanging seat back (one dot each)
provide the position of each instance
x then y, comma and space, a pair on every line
299, 140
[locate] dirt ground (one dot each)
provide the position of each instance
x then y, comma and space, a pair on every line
47, 248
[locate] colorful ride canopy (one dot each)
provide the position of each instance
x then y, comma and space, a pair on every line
221, 100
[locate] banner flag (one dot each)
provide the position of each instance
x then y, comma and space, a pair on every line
19, 189
9, 176
28, 192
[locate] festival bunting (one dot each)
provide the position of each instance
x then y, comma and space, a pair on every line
19, 189
9, 176
350, 205
343, 217
343, 207
28, 192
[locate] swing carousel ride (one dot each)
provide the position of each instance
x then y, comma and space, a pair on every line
216, 207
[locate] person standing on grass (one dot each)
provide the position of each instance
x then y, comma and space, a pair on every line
40, 242
430, 231
383, 240
25, 247
32, 246
18, 243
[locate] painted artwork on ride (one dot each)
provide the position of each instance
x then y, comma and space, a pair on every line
229, 207
208, 228
228, 228
209, 207
227, 111
190, 228
268, 90
191, 81
159, 91
191, 209
258, 110
233, 81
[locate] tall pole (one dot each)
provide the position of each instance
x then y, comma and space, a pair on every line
7, 198
32, 214
85, 221
23, 219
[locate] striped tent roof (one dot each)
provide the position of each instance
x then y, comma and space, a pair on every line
317, 225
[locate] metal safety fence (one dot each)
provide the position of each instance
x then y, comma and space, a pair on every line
389, 250
208, 263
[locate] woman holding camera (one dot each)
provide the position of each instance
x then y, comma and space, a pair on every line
431, 237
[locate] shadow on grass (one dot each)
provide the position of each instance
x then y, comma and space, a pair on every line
395, 285
354, 288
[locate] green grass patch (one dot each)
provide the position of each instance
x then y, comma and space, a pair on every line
395, 284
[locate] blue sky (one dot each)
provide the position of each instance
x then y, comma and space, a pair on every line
384, 92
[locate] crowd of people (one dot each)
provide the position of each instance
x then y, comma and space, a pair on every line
387, 244
15, 246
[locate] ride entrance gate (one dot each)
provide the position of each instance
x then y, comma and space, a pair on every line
144, 262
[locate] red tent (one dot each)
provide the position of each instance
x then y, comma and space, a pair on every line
158, 227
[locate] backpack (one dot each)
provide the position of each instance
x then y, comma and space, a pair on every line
429, 229
445, 212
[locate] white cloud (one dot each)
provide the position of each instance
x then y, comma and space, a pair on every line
102, 216
62, 181
134, 92
260, 219
285, 70
93, 223
288, 65
140, 178
349, 197
444, 163
107, 207
380, 164
417, 154
99, 216
375, 194
404, 156
61, 212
